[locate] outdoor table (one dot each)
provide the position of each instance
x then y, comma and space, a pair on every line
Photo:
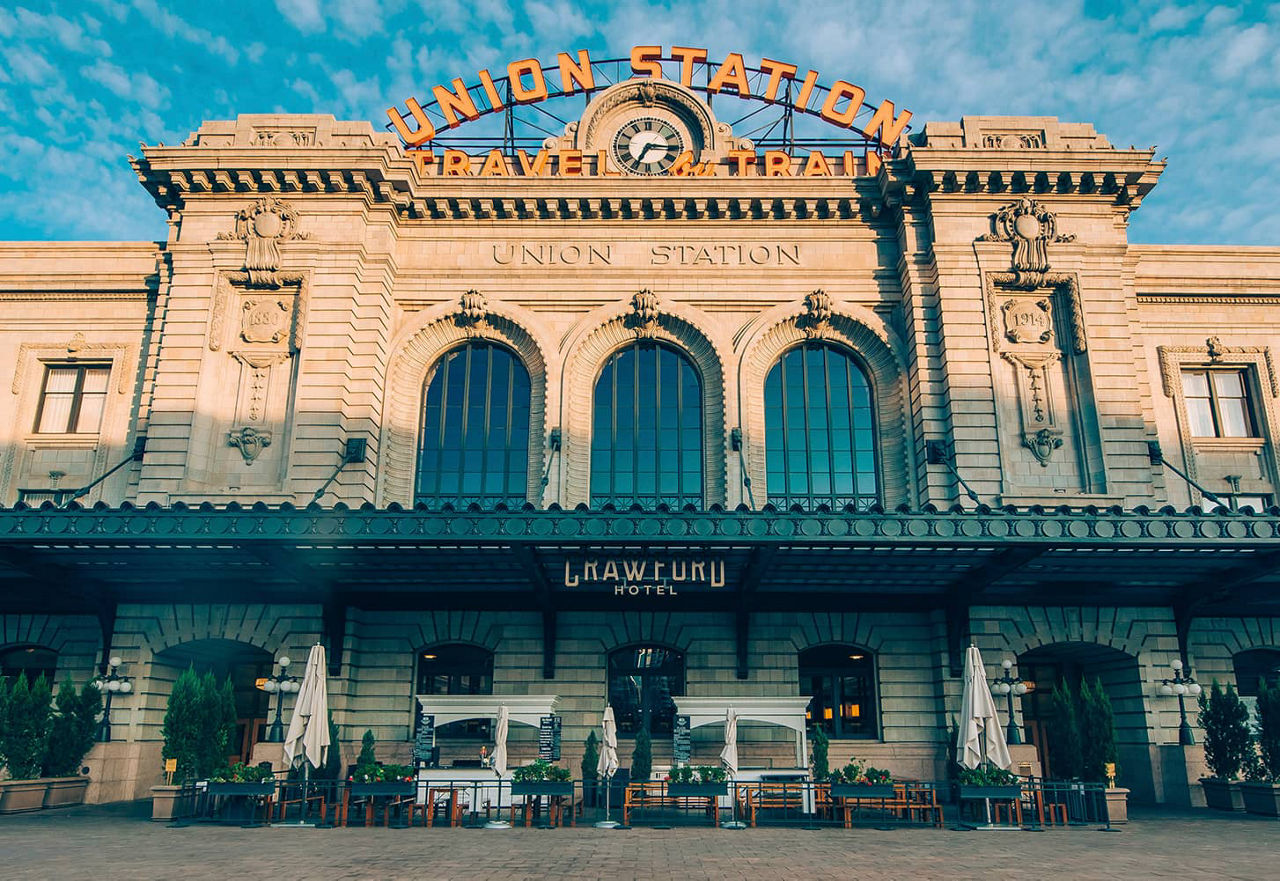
454, 802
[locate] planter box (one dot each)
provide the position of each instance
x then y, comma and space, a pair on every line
1118, 806
17, 796
543, 787
862, 790
1222, 795
367, 790
1261, 798
697, 790
164, 802
65, 791
1005, 792
242, 789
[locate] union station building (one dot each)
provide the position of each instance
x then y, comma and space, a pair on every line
593, 431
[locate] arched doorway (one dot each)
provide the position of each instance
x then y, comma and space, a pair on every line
1251, 667
1047, 666
245, 664
33, 660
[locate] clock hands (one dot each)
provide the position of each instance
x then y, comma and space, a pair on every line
650, 146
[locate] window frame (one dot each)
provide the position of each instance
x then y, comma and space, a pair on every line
77, 396
29, 648
835, 673
1215, 409
857, 361
463, 729
632, 648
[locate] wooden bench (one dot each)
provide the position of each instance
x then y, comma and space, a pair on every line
756, 797
648, 795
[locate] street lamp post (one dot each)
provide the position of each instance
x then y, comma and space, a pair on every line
280, 684
112, 683
1010, 685
1182, 684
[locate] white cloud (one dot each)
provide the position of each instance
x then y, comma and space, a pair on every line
138, 87
358, 18
71, 36
174, 27
305, 15
28, 66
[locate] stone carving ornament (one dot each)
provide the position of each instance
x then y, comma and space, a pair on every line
1030, 227
262, 227
643, 319
816, 320
1028, 321
250, 442
471, 313
264, 321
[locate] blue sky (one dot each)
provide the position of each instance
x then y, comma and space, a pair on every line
82, 83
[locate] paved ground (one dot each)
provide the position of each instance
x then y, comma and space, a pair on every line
116, 843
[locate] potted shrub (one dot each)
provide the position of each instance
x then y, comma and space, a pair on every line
1228, 746
590, 765
1098, 736
199, 722
373, 779
71, 735
542, 778
1262, 794
859, 781
242, 779
704, 781
987, 781
642, 758
24, 738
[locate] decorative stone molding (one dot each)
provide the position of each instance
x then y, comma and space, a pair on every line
414, 356
263, 321
1030, 227
249, 441
74, 350
225, 290
262, 227
1064, 285
816, 320
587, 355
863, 333
1027, 321
471, 312
1257, 359
643, 318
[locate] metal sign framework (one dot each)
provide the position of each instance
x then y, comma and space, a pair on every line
774, 122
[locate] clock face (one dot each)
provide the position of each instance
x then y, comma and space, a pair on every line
645, 145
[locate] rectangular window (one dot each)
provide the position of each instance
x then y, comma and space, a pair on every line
1235, 501
72, 398
1218, 403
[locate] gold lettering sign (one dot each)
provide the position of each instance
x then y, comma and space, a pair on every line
643, 576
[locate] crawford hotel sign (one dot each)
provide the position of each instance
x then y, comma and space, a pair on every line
651, 123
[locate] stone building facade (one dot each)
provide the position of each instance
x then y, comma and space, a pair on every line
1030, 373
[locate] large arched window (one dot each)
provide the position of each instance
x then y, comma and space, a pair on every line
34, 660
646, 438
842, 682
456, 668
642, 681
819, 430
475, 428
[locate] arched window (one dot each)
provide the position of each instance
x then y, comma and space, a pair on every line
456, 668
642, 681
1254, 665
842, 682
475, 428
646, 439
819, 430
34, 660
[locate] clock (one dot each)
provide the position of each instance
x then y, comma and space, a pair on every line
647, 145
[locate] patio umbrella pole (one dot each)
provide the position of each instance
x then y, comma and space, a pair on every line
608, 822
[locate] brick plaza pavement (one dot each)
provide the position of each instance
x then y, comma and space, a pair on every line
116, 843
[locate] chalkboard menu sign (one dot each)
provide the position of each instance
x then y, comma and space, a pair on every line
549, 738
682, 741
425, 740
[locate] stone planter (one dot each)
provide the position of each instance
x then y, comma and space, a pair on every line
65, 791
1118, 806
165, 802
543, 787
862, 790
1261, 798
1222, 795
17, 796
697, 790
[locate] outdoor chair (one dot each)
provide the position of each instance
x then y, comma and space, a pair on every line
292, 793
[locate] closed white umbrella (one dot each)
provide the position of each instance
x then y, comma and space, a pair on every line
607, 766
981, 737
308, 736
500, 741
729, 755
608, 763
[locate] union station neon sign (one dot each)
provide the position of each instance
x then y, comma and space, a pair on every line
864, 129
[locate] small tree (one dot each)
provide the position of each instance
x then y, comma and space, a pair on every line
366, 759
821, 745
1268, 710
1228, 742
217, 710
72, 729
642, 757
1064, 736
590, 758
182, 726
1097, 731
25, 732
